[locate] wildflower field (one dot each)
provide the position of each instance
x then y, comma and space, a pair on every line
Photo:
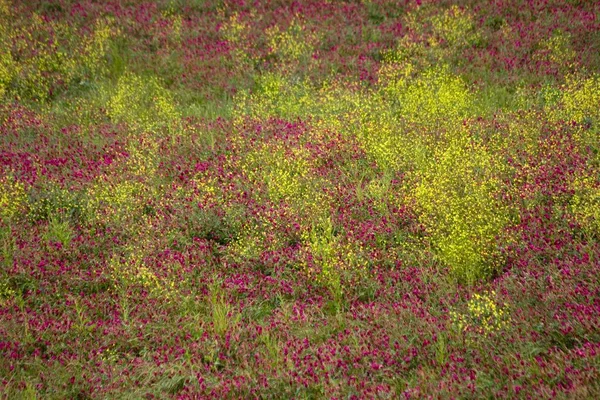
306, 199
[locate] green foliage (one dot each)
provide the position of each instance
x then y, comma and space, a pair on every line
59, 230
29, 392
116, 202
54, 202
224, 315
323, 247
272, 348
7, 245
143, 104
274, 96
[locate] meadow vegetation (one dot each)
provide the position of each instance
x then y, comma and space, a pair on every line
314, 199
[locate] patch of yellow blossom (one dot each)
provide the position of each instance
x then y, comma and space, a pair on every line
581, 98
8, 67
557, 49
585, 204
143, 156
6, 292
285, 172
115, 202
326, 259
436, 98
13, 198
96, 46
483, 316
131, 271
275, 96
235, 30
455, 26
455, 196
292, 43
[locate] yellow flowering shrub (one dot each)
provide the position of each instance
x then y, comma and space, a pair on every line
40, 57
407, 58
578, 102
255, 237
436, 98
249, 245
292, 43
455, 26
557, 49
13, 198
284, 179
378, 190
323, 247
483, 315
53, 202
585, 204
236, 32
455, 196
143, 156
6, 292
96, 46
335, 107
580, 99
8, 67
176, 28
43, 64
394, 77
379, 134
7, 245
285, 172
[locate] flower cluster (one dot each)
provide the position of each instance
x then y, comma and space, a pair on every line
13, 198
483, 315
